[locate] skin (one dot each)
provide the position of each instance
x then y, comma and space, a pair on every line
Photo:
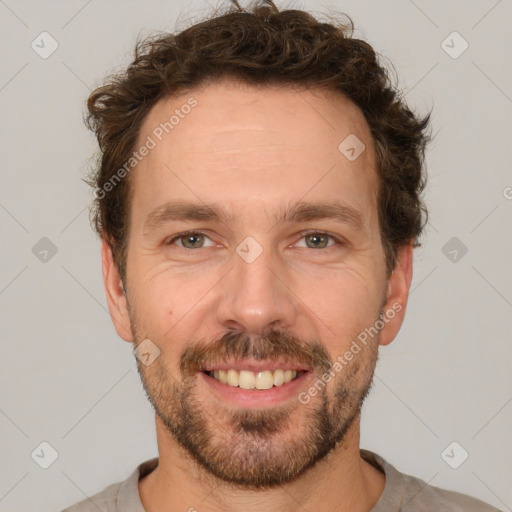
254, 150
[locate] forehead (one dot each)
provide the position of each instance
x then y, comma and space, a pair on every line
232, 142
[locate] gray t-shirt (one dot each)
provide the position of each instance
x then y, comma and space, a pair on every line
402, 493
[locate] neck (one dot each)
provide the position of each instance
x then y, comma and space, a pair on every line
342, 481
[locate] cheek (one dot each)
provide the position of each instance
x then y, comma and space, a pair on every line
345, 303
155, 309
166, 308
355, 341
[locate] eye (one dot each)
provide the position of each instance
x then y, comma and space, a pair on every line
319, 240
197, 240
191, 240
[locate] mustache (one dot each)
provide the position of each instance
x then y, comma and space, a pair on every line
236, 345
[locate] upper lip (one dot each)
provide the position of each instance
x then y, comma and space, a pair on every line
254, 366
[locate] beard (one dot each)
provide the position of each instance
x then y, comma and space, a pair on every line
258, 448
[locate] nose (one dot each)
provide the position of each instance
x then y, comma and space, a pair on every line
255, 296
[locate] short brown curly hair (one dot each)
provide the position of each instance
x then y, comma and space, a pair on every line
261, 45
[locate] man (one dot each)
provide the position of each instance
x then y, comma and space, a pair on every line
258, 200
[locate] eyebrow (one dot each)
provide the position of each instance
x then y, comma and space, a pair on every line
296, 212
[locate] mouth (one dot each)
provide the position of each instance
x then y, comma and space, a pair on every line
252, 383
254, 380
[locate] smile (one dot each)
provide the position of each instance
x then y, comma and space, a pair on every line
246, 379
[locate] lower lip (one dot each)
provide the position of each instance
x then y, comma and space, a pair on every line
256, 397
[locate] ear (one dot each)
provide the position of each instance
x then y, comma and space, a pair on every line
116, 299
399, 284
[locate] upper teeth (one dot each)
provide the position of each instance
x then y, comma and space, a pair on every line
254, 380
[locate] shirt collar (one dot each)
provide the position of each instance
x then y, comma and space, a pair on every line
390, 499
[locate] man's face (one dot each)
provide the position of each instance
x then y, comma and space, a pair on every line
274, 287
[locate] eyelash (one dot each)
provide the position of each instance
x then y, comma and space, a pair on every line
305, 234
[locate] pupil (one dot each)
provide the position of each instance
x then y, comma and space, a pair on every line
315, 239
190, 239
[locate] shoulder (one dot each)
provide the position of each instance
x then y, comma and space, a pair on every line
410, 494
103, 501
420, 496
119, 497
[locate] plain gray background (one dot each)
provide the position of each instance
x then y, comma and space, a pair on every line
68, 380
